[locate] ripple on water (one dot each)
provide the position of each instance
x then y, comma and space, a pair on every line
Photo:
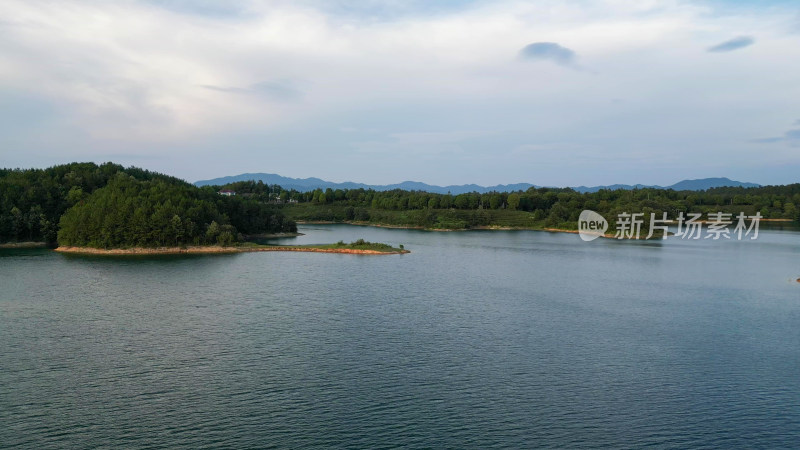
501, 339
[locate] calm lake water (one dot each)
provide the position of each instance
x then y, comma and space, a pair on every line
473, 340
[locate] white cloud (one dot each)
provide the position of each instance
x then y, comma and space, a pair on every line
166, 74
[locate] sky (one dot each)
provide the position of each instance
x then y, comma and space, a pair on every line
556, 93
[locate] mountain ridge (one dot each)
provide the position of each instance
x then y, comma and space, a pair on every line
312, 183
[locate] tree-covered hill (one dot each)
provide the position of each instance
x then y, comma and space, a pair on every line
112, 206
533, 208
33, 200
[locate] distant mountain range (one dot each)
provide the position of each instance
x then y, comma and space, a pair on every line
309, 184
686, 185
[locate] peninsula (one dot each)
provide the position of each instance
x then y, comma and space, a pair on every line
359, 247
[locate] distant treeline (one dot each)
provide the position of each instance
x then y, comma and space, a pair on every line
536, 207
105, 206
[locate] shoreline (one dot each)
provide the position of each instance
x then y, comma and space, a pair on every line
478, 228
365, 224
29, 244
454, 230
558, 230
272, 235
207, 250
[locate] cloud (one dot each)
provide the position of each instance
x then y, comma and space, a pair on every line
791, 137
211, 8
769, 140
733, 44
276, 90
549, 51
276, 78
421, 143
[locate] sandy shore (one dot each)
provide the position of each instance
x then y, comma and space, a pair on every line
202, 250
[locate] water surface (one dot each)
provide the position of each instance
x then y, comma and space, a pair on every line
475, 339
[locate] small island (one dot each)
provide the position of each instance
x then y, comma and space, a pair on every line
359, 247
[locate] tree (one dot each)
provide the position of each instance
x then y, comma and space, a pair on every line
74, 195
212, 231
176, 228
513, 201
789, 210
17, 223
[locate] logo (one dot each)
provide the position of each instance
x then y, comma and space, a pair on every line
591, 225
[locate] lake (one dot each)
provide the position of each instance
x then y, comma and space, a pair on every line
476, 339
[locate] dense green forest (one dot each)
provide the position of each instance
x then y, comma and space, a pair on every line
83, 204
534, 208
108, 205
